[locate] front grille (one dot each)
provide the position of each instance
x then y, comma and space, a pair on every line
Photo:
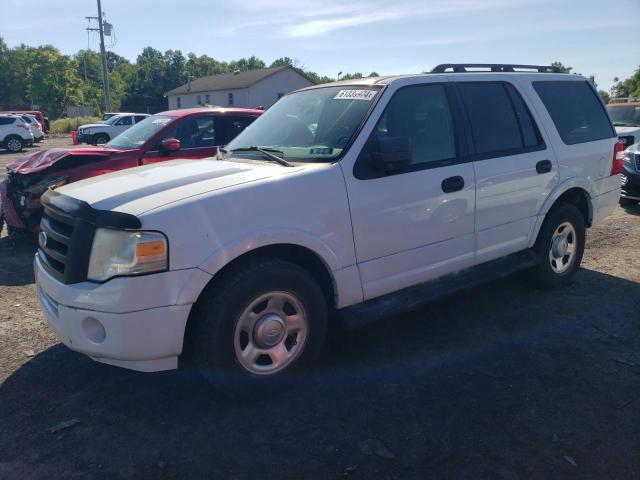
64, 245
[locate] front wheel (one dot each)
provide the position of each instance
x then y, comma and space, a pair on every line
100, 139
258, 328
559, 247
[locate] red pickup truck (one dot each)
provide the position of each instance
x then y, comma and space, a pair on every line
190, 133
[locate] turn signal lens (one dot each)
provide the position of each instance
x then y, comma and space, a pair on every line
618, 158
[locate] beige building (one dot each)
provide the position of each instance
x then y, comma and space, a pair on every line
248, 89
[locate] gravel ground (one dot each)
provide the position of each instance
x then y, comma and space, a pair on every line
502, 381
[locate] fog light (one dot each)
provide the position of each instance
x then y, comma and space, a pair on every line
94, 330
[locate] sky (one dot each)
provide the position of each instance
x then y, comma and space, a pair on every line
329, 36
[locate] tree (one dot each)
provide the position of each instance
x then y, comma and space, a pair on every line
243, 64
561, 67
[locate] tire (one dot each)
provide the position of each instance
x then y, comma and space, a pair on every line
627, 202
14, 143
558, 259
271, 306
100, 139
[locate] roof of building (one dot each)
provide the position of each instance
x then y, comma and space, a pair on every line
231, 81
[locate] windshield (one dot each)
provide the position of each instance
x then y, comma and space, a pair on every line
137, 135
112, 120
625, 115
309, 125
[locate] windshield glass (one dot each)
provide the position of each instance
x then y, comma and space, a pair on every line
112, 120
625, 114
137, 135
309, 125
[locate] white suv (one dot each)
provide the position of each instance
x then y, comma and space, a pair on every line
15, 133
102, 133
360, 197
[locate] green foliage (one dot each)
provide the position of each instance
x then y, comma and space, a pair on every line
65, 125
561, 67
626, 88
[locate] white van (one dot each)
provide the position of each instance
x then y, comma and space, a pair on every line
358, 198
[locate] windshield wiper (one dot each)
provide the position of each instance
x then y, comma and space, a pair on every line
267, 152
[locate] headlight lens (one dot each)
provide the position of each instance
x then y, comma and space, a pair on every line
120, 252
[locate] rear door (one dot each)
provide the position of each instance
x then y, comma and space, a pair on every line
515, 169
198, 139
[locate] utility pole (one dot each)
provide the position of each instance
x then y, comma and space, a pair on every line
103, 54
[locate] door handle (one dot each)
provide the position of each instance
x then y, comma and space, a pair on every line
452, 184
543, 166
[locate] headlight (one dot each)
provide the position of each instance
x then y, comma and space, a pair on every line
121, 252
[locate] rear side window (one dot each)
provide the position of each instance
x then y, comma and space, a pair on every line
500, 120
140, 118
575, 110
7, 120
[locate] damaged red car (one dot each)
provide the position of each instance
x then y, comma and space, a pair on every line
190, 133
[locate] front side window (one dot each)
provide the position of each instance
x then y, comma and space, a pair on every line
422, 115
310, 125
198, 132
140, 118
576, 110
124, 121
230, 100
178, 102
138, 135
207, 99
624, 115
494, 121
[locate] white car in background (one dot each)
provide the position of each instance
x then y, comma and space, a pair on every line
36, 128
101, 133
15, 133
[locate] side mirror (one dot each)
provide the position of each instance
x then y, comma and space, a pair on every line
393, 154
170, 145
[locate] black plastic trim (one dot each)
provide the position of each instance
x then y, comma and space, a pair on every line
493, 67
81, 210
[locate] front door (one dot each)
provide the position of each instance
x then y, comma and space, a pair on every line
416, 223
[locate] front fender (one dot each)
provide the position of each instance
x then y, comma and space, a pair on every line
276, 236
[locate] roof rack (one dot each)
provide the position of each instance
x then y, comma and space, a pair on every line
492, 67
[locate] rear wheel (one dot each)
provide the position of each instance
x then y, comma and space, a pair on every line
100, 139
258, 328
14, 143
559, 247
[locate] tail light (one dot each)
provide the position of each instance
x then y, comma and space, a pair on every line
618, 158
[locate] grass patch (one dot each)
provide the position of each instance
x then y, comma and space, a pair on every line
65, 125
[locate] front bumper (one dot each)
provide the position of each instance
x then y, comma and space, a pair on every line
122, 322
630, 184
84, 138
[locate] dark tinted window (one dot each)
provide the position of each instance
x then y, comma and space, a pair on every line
196, 132
7, 120
124, 121
422, 114
494, 123
140, 118
235, 125
530, 132
575, 110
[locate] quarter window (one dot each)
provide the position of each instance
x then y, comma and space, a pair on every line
576, 111
230, 100
178, 102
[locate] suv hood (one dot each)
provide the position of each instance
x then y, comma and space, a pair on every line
138, 190
43, 159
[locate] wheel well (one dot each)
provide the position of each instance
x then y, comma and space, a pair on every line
301, 256
579, 198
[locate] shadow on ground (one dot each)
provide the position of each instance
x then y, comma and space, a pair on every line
16, 260
498, 382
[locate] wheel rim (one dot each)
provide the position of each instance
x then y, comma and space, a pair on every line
14, 144
101, 141
271, 333
563, 248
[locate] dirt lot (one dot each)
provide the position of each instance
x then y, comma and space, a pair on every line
499, 382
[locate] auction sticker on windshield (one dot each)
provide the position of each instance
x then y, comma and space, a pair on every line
355, 95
